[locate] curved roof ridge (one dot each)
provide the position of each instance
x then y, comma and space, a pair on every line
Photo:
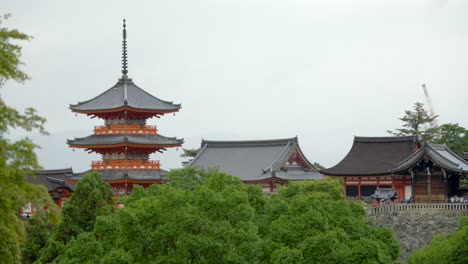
84, 102
164, 101
64, 170
437, 147
247, 143
197, 156
386, 139
414, 156
273, 165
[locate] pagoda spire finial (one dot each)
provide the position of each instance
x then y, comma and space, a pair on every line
124, 50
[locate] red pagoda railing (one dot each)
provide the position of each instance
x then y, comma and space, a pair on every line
124, 164
125, 129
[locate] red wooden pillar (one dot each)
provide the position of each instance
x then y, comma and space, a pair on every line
344, 179
359, 188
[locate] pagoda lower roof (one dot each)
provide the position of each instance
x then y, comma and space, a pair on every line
119, 175
125, 94
96, 141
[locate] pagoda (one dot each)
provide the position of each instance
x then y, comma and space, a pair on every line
125, 141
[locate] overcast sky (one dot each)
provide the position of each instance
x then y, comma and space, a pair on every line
325, 71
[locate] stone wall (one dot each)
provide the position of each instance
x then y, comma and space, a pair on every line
415, 229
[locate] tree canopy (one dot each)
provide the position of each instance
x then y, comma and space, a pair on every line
218, 219
17, 158
454, 136
91, 198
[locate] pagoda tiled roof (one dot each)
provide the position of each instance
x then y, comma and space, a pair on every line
125, 94
96, 140
255, 160
374, 155
440, 154
114, 175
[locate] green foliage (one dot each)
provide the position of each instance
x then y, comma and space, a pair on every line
318, 166
189, 153
91, 198
38, 229
451, 248
17, 159
454, 136
218, 219
417, 123
10, 54
325, 229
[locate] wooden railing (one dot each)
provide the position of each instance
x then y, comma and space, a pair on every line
125, 164
417, 207
124, 129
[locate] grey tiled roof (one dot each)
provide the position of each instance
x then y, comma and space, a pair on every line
51, 179
254, 160
441, 155
125, 138
125, 93
374, 155
111, 175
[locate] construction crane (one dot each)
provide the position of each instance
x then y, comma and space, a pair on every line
434, 123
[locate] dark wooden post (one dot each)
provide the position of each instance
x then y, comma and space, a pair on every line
429, 185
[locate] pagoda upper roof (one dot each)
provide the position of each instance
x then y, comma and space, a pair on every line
256, 160
119, 139
374, 155
125, 94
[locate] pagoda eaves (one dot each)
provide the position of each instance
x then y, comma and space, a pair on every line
125, 100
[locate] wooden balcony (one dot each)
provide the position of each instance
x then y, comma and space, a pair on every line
124, 164
125, 129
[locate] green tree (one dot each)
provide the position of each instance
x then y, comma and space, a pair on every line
314, 218
222, 220
91, 198
451, 248
210, 223
189, 154
318, 166
38, 229
417, 123
17, 158
454, 136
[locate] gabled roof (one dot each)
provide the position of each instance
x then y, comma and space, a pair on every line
441, 155
51, 179
374, 155
118, 139
256, 160
125, 94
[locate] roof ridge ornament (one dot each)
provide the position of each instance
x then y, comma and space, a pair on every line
124, 51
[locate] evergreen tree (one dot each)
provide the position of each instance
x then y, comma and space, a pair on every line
417, 123
90, 199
